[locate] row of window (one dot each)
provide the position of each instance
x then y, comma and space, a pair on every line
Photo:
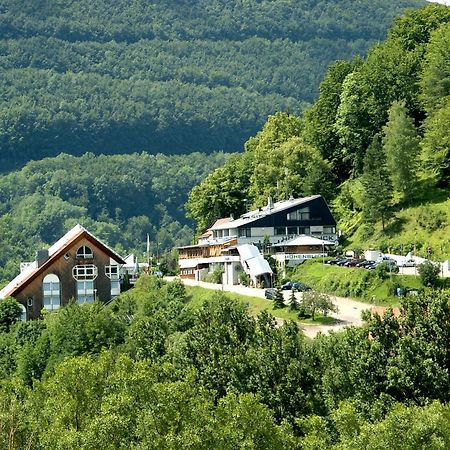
86, 292
299, 214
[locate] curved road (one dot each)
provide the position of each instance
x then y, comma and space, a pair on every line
349, 311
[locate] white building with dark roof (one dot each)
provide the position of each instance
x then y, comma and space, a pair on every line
291, 231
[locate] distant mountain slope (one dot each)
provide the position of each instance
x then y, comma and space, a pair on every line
168, 76
120, 198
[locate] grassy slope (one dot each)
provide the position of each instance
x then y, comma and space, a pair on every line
412, 230
255, 305
356, 283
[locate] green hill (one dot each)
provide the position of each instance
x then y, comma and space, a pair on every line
375, 143
120, 198
168, 76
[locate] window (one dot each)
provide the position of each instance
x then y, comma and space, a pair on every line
23, 315
245, 232
281, 231
299, 214
84, 252
85, 292
292, 230
86, 272
112, 272
51, 290
115, 288
328, 230
303, 230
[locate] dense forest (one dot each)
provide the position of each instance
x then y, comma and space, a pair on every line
374, 143
168, 76
156, 369
119, 198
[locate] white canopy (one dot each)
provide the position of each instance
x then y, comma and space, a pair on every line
303, 240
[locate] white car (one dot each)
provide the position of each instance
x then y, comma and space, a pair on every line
407, 263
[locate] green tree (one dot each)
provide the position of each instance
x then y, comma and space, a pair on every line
10, 312
377, 185
401, 146
429, 273
314, 301
435, 162
293, 302
278, 299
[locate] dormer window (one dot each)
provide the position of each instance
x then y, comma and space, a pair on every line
299, 214
85, 252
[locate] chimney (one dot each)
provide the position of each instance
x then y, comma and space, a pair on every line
269, 202
41, 257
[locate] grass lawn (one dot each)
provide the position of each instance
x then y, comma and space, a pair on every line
255, 305
357, 283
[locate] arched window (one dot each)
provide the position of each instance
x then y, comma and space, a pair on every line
85, 252
52, 293
23, 316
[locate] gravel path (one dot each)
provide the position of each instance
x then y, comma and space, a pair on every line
349, 311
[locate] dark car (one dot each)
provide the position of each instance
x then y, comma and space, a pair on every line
295, 286
269, 293
335, 261
364, 263
353, 262
342, 262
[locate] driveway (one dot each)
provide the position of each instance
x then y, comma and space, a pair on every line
349, 311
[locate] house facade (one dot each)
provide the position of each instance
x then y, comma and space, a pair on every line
78, 266
237, 244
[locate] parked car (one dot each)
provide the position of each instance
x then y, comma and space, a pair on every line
269, 293
407, 263
342, 262
364, 263
334, 261
353, 262
295, 286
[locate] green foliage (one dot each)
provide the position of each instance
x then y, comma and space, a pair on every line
429, 273
39, 203
431, 218
10, 313
377, 185
354, 282
313, 301
293, 302
401, 146
113, 83
278, 299
216, 276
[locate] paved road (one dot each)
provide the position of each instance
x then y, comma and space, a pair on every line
349, 311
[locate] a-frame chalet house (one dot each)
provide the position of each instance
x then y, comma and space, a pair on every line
79, 266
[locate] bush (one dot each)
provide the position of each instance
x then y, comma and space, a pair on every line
431, 219
244, 278
429, 273
216, 276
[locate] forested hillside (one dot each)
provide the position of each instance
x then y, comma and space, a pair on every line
119, 198
157, 370
375, 144
168, 76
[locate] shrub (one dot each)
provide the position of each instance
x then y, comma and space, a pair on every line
429, 273
431, 219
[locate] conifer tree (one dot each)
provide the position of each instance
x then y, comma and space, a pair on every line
278, 299
293, 302
377, 185
401, 146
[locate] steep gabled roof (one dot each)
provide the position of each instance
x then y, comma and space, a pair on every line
54, 252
